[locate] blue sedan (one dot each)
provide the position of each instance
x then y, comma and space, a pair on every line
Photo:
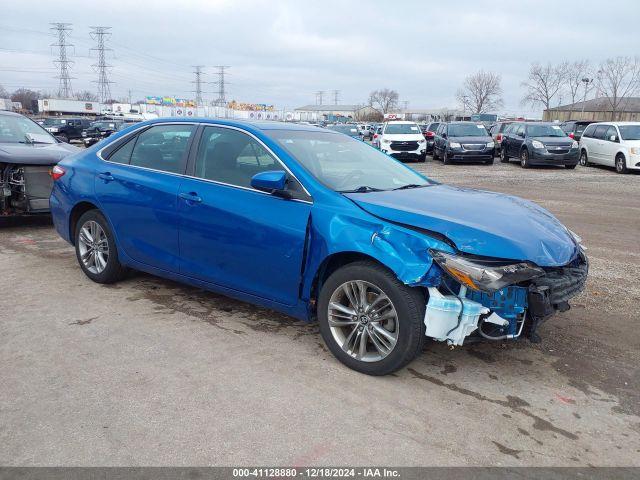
319, 226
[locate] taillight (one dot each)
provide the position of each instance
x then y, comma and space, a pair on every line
375, 135
499, 137
430, 134
57, 172
571, 135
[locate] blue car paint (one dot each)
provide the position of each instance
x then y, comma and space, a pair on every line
268, 250
478, 222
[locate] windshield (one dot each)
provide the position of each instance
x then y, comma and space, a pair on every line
402, 129
467, 130
347, 129
345, 164
545, 131
18, 129
629, 132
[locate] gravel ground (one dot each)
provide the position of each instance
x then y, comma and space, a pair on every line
150, 372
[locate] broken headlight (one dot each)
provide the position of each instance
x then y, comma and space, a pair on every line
485, 275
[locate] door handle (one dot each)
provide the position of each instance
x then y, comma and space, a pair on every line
106, 176
191, 197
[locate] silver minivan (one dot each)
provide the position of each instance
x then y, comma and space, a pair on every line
614, 144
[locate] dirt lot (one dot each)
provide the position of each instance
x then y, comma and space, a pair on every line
149, 372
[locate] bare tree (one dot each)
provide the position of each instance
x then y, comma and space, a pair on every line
481, 92
26, 97
574, 75
86, 96
619, 78
544, 84
384, 100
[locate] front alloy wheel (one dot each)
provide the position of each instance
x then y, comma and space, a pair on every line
371, 322
363, 321
621, 164
524, 158
93, 247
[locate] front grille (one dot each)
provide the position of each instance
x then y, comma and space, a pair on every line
565, 282
474, 147
558, 150
404, 146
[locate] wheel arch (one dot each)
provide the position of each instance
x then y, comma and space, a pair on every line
77, 211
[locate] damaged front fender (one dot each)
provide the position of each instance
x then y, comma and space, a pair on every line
404, 251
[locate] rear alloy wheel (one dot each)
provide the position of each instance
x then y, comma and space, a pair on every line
524, 158
504, 158
584, 159
621, 164
371, 321
96, 250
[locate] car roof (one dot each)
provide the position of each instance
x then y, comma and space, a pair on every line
404, 122
615, 123
10, 114
256, 125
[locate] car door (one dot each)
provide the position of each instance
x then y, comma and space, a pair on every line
597, 153
516, 139
610, 146
137, 188
233, 235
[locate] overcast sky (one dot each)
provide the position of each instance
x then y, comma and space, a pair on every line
281, 52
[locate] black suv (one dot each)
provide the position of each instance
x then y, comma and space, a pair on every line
66, 129
463, 142
574, 128
537, 143
99, 130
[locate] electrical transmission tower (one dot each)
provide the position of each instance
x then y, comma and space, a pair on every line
61, 30
336, 96
319, 95
198, 83
221, 101
99, 34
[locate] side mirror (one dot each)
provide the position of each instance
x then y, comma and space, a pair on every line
613, 138
444, 135
274, 182
521, 134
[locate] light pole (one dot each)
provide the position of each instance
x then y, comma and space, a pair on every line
586, 82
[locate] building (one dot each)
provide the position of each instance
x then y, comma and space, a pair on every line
334, 113
596, 110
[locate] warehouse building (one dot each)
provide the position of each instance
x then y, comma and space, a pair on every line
596, 110
334, 113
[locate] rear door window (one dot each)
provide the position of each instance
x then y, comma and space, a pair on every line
588, 132
162, 148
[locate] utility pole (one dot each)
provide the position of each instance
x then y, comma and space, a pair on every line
586, 82
198, 83
61, 30
336, 96
221, 101
99, 34
319, 95
129, 94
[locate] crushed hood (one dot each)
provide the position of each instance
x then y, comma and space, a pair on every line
477, 222
35, 154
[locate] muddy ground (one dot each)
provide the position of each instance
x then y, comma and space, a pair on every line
150, 372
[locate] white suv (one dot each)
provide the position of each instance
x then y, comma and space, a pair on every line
616, 144
403, 140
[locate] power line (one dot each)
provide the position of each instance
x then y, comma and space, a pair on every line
63, 63
221, 100
336, 96
99, 34
198, 82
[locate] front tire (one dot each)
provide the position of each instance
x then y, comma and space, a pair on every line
621, 164
96, 249
524, 158
446, 159
369, 320
434, 153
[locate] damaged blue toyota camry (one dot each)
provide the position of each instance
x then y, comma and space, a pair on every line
319, 226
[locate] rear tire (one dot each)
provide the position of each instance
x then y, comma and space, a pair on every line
504, 158
405, 307
96, 249
524, 158
584, 159
621, 164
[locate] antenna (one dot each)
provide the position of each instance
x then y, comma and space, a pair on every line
104, 90
62, 31
198, 82
221, 100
